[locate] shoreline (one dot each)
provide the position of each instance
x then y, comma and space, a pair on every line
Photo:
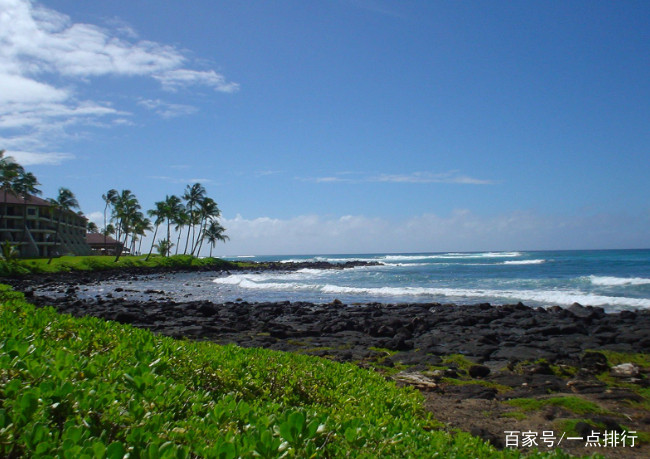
534, 332
463, 358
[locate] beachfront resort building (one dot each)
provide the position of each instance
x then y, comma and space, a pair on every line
31, 223
104, 245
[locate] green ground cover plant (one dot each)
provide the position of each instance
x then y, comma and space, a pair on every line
84, 387
103, 262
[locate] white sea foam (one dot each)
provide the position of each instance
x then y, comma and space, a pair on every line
326, 259
546, 297
485, 255
611, 281
549, 297
524, 262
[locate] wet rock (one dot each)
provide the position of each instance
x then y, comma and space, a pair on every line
594, 362
493, 439
126, 317
478, 371
471, 391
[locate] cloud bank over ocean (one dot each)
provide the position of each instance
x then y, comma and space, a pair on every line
460, 231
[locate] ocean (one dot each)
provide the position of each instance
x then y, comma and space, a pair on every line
613, 279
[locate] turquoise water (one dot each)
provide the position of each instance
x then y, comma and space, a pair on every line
613, 279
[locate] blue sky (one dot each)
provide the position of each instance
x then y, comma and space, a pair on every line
344, 125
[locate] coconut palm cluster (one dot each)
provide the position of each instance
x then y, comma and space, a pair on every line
194, 217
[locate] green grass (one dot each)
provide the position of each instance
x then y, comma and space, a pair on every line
103, 262
83, 387
616, 358
476, 382
458, 361
574, 404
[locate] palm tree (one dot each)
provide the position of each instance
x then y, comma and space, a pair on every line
110, 198
164, 247
193, 196
159, 213
91, 227
25, 185
213, 233
123, 205
110, 229
173, 207
10, 170
209, 210
127, 213
64, 202
142, 225
180, 219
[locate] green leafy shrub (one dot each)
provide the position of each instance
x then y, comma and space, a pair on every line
83, 387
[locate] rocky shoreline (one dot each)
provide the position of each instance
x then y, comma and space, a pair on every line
508, 351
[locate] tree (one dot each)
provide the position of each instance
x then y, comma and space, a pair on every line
180, 219
127, 212
110, 229
173, 207
193, 196
110, 198
208, 211
213, 233
10, 170
164, 247
92, 228
159, 213
142, 225
65, 202
25, 185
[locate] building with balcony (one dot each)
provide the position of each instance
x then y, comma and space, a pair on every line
31, 223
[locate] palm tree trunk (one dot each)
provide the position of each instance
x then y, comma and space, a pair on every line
187, 239
153, 242
200, 239
178, 240
168, 233
119, 251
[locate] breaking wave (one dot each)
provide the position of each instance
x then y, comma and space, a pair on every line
545, 297
524, 262
610, 281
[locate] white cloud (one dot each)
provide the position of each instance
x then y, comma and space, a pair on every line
413, 177
180, 180
167, 110
172, 80
97, 218
27, 158
429, 177
460, 231
45, 57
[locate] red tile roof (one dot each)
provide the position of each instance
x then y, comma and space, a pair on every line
97, 238
31, 200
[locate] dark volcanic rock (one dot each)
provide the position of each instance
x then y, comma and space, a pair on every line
488, 335
478, 371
